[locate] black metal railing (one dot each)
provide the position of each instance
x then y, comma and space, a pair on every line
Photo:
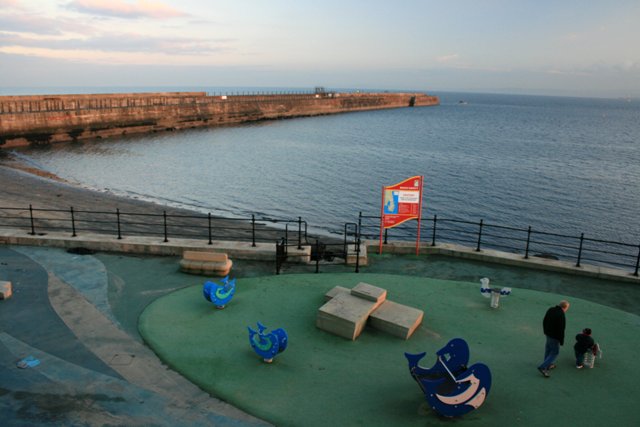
165, 225
294, 232
322, 255
526, 241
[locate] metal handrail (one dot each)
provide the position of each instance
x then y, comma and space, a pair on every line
41, 220
482, 234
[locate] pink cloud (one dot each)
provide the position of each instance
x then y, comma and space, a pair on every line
9, 3
127, 9
447, 58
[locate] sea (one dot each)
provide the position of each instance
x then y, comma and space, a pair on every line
558, 164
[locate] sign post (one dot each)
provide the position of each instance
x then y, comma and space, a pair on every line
401, 202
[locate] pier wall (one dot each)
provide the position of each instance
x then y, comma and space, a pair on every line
43, 119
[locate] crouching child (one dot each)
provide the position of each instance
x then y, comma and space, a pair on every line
585, 349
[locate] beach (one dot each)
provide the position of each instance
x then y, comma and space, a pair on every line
22, 186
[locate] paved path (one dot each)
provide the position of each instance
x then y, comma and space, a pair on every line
90, 372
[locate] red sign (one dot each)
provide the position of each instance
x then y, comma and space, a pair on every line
401, 202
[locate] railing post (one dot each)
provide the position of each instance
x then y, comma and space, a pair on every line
358, 251
433, 238
345, 244
580, 250
73, 223
526, 250
164, 215
359, 229
299, 232
118, 221
278, 256
317, 256
286, 233
33, 228
479, 236
253, 230
635, 273
386, 230
209, 226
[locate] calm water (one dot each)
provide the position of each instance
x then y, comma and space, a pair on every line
563, 165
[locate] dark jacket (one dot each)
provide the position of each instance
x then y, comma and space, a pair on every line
583, 343
554, 323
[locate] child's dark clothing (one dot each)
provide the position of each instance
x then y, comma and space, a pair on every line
584, 343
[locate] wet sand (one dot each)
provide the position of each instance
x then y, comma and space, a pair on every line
22, 185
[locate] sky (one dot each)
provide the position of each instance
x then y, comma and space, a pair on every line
540, 47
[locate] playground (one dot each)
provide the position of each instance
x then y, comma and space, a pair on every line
323, 379
85, 318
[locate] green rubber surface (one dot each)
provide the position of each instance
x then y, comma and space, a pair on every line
322, 379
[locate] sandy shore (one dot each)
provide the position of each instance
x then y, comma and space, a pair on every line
22, 185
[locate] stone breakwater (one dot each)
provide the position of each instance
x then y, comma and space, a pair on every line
44, 119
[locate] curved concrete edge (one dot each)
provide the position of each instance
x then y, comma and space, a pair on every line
132, 360
88, 275
56, 392
139, 244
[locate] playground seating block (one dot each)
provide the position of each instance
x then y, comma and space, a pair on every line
335, 291
5, 289
205, 263
396, 319
369, 292
345, 315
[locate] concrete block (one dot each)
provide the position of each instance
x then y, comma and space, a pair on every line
205, 263
353, 256
5, 289
369, 292
335, 291
345, 315
396, 319
205, 256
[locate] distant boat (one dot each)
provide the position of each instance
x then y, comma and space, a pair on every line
462, 102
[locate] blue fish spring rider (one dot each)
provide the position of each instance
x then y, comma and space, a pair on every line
219, 293
451, 387
267, 346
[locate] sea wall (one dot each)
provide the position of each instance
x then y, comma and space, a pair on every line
44, 119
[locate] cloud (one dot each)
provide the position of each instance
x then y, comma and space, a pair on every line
447, 58
559, 72
126, 9
6, 4
38, 24
34, 24
121, 42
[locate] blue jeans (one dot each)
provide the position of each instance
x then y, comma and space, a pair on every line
551, 351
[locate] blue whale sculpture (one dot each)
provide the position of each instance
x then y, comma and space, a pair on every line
219, 293
451, 387
268, 345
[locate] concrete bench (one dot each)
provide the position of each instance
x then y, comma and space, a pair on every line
5, 289
345, 315
346, 312
396, 319
205, 263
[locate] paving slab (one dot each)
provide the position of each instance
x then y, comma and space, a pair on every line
345, 315
369, 292
335, 291
396, 319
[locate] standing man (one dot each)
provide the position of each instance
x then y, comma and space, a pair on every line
553, 325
